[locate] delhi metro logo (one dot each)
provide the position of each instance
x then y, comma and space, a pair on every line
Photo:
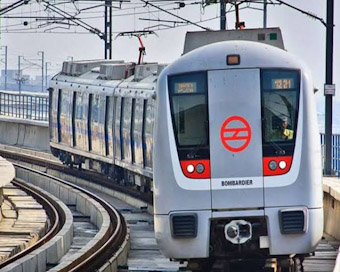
235, 134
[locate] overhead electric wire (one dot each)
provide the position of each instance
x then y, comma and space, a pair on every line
304, 12
115, 32
179, 17
86, 17
77, 19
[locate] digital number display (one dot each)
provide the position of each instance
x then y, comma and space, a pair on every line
283, 83
185, 87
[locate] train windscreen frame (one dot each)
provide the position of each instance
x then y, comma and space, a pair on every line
280, 95
188, 95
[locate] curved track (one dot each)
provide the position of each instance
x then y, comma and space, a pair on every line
101, 251
55, 214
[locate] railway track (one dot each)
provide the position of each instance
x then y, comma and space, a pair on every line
109, 244
144, 254
55, 216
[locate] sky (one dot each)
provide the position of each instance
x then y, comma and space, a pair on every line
303, 36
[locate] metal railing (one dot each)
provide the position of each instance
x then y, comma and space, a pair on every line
335, 152
25, 105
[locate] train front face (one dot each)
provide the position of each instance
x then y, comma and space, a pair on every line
237, 168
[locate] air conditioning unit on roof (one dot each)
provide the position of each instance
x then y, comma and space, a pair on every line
65, 67
144, 70
116, 71
77, 68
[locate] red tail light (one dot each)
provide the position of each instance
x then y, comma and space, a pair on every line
196, 169
273, 166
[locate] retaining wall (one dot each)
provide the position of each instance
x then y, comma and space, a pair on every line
331, 188
25, 133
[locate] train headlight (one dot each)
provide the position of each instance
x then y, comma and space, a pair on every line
272, 165
200, 168
282, 165
190, 168
232, 231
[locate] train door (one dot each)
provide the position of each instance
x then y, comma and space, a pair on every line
235, 138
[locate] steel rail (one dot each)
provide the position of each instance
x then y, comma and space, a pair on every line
111, 241
54, 212
83, 174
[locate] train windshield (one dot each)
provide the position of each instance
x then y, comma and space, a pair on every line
189, 109
280, 103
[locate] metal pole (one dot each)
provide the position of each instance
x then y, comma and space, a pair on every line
42, 71
19, 74
6, 59
110, 31
105, 29
329, 80
222, 15
42, 68
237, 14
264, 13
46, 74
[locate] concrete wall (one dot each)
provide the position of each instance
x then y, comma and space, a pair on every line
26, 133
331, 188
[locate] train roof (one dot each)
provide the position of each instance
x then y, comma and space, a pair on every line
252, 55
196, 39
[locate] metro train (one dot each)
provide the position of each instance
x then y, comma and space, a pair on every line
226, 137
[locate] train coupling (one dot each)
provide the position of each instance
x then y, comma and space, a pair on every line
238, 231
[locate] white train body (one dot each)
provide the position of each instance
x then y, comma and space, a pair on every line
236, 166
237, 169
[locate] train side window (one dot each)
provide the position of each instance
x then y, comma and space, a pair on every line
148, 127
126, 127
127, 102
109, 124
280, 89
138, 116
64, 103
79, 106
148, 132
95, 108
101, 109
118, 125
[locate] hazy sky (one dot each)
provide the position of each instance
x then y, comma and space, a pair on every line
302, 35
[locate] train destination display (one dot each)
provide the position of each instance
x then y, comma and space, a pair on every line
185, 87
283, 83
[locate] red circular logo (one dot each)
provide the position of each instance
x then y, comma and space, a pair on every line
235, 134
